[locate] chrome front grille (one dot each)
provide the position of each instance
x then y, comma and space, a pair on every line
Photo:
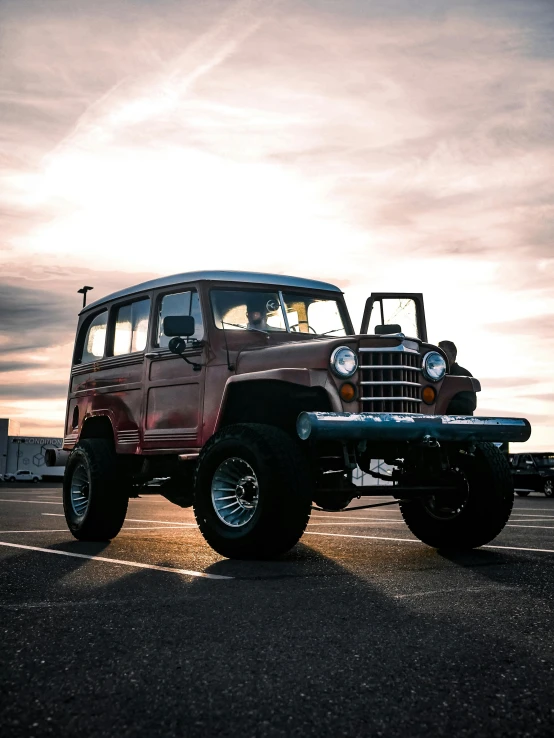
390, 380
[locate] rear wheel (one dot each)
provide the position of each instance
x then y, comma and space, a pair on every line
252, 493
94, 496
474, 514
548, 488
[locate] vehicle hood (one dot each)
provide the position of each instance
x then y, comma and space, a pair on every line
311, 353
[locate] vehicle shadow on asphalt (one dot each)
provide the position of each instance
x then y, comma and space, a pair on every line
299, 645
502, 568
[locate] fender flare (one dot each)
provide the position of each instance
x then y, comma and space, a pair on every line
451, 386
317, 378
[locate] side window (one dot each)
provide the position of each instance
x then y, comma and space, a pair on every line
93, 347
131, 327
180, 303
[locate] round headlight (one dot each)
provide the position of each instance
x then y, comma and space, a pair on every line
344, 361
433, 366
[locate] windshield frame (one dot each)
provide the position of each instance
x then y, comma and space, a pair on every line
336, 297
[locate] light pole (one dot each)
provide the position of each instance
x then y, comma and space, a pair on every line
19, 441
83, 291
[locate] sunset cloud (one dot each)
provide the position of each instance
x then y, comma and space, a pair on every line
382, 145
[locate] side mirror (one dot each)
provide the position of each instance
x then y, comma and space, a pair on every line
179, 325
386, 330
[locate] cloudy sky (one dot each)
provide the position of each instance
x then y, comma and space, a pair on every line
377, 144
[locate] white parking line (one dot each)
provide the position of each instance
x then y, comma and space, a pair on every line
125, 527
137, 520
135, 564
352, 535
364, 522
165, 522
415, 540
34, 502
351, 517
46, 530
401, 522
530, 520
27, 491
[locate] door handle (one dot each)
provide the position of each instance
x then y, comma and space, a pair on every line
152, 354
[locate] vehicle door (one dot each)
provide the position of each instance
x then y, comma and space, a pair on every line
114, 385
403, 309
528, 473
174, 384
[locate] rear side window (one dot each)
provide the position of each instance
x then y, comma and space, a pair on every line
131, 327
95, 339
180, 303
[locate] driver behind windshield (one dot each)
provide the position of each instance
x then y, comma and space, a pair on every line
256, 312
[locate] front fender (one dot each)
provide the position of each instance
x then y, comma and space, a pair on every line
451, 386
294, 377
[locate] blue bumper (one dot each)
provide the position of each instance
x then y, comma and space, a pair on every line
409, 427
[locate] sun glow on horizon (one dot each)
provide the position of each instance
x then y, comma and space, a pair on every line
322, 143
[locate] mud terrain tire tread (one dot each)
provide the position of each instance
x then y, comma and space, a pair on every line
108, 501
486, 512
285, 492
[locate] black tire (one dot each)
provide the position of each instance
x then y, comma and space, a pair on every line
477, 514
523, 492
35, 480
283, 485
548, 488
94, 461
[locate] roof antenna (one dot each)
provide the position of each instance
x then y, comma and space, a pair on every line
230, 366
83, 291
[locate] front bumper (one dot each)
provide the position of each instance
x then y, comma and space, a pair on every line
409, 427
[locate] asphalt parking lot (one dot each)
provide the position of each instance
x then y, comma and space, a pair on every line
361, 630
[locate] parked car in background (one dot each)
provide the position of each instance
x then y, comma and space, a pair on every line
23, 475
533, 472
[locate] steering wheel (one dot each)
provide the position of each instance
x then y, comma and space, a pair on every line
303, 321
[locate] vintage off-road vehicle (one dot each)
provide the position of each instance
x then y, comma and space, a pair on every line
250, 397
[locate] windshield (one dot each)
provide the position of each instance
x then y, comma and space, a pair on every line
271, 311
545, 460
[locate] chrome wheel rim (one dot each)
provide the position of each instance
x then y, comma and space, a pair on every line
548, 488
80, 490
235, 492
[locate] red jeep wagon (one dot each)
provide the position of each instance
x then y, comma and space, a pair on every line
251, 398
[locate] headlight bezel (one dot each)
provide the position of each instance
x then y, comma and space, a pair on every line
425, 370
333, 362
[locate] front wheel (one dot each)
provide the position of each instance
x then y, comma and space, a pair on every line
94, 496
476, 512
252, 493
548, 488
